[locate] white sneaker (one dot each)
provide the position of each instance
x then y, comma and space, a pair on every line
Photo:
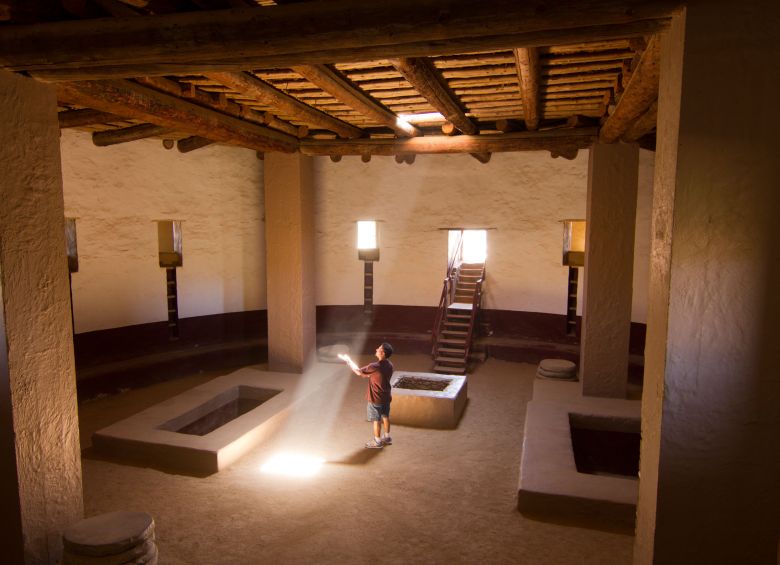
387, 440
374, 444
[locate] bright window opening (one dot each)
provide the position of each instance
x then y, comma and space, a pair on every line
366, 234
473, 248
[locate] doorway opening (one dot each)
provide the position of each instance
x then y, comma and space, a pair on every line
467, 246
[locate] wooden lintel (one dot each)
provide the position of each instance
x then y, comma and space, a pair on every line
527, 62
85, 117
424, 77
482, 157
123, 135
226, 40
641, 92
192, 143
139, 102
643, 125
326, 79
559, 140
264, 93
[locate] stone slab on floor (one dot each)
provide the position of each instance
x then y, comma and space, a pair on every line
550, 486
428, 408
148, 437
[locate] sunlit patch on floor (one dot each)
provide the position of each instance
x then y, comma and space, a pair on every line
293, 465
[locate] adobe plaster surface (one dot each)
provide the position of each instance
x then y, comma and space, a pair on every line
290, 261
607, 284
550, 485
39, 396
117, 193
149, 437
711, 430
429, 408
436, 496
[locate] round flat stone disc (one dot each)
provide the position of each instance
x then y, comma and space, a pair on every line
108, 534
143, 550
558, 366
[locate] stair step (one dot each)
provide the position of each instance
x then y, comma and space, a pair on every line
450, 360
454, 332
456, 324
460, 306
459, 318
453, 350
449, 370
453, 341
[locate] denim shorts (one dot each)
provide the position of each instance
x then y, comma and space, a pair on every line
374, 412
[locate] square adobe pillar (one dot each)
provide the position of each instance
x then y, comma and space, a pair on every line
289, 224
710, 453
613, 175
40, 465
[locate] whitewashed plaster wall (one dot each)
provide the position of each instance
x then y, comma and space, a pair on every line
521, 197
116, 193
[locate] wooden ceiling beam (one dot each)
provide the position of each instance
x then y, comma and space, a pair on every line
254, 88
640, 93
224, 40
139, 102
326, 79
85, 117
132, 133
643, 125
528, 73
424, 77
560, 141
192, 143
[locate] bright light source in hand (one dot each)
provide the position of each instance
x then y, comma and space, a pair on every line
292, 465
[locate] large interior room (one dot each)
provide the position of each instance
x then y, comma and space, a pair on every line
561, 217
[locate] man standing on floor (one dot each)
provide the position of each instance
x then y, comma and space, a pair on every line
378, 394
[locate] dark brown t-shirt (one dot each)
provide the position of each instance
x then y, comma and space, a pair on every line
379, 389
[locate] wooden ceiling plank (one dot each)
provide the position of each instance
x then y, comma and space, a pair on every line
256, 38
330, 82
641, 92
85, 117
560, 140
423, 76
247, 85
528, 73
142, 103
123, 135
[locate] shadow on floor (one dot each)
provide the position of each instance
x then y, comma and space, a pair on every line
359, 457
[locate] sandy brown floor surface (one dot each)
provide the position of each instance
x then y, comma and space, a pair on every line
432, 497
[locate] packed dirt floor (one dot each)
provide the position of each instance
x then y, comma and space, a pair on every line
433, 497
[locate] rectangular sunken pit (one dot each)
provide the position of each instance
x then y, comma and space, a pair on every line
427, 400
221, 409
580, 459
207, 428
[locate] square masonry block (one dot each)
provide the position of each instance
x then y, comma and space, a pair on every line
427, 400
